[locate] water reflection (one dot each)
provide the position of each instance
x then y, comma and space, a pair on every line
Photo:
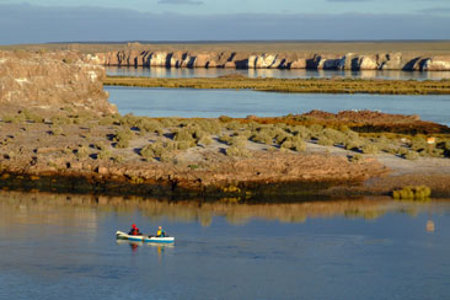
73, 210
159, 72
134, 246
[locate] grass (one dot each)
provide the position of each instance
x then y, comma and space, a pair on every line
417, 193
123, 138
343, 86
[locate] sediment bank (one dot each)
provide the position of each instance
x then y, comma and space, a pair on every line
336, 85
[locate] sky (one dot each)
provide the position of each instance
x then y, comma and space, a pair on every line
186, 20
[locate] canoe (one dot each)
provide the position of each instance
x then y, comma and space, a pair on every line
144, 238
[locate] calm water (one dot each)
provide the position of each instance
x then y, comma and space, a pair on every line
160, 102
190, 73
53, 246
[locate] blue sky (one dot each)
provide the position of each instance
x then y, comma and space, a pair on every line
113, 20
206, 7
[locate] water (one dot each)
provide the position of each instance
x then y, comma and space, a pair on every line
161, 102
57, 246
276, 73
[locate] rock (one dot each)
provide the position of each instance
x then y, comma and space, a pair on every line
436, 63
390, 61
367, 63
330, 64
348, 62
252, 61
158, 59
53, 80
230, 64
202, 61
102, 170
263, 61
299, 63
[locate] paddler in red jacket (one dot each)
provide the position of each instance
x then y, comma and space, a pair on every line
134, 230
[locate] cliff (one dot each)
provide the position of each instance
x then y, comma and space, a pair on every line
52, 81
289, 60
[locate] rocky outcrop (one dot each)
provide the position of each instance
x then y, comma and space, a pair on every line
53, 80
390, 61
243, 60
437, 63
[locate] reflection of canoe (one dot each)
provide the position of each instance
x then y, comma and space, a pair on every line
141, 243
144, 238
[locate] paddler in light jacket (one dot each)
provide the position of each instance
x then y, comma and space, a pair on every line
160, 232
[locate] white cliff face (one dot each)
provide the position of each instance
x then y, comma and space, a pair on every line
252, 61
438, 63
391, 61
263, 61
367, 63
350, 61
158, 59
299, 63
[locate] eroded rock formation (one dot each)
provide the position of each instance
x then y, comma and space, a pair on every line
348, 61
52, 80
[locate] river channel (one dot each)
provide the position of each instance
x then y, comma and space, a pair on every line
63, 246
163, 102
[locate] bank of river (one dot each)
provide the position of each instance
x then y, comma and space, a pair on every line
160, 72
161, 102
64, 246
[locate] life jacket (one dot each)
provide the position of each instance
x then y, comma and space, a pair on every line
160, 233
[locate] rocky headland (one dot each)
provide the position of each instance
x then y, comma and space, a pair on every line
51, 81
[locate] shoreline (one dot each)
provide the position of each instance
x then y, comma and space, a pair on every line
313, 85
